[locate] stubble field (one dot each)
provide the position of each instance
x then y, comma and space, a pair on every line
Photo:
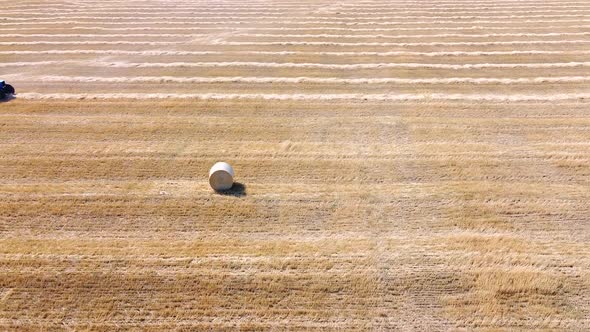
403, 165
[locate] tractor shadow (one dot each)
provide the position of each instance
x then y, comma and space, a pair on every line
237, 190
7, 99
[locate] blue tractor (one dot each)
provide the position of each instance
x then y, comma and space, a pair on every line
5, 90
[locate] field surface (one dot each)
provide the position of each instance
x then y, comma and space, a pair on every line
402, 165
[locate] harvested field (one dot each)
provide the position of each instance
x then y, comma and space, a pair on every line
402, 165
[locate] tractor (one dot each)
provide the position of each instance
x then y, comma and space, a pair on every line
5, 90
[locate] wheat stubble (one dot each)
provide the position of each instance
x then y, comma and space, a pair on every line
437, 182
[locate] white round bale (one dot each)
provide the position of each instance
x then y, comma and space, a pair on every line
221, 176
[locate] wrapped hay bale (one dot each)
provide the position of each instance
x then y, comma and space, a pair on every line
221, 176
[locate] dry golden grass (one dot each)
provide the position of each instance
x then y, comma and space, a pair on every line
387, 220
357, 214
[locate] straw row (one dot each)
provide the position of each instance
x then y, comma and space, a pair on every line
168, 20
289, 53
298, 65
308, 43
321, 35
322, 80
298, 96
260, 16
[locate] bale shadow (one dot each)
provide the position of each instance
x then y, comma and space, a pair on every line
237, 190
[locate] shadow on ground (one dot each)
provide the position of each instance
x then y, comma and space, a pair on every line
7, 99
237, 190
